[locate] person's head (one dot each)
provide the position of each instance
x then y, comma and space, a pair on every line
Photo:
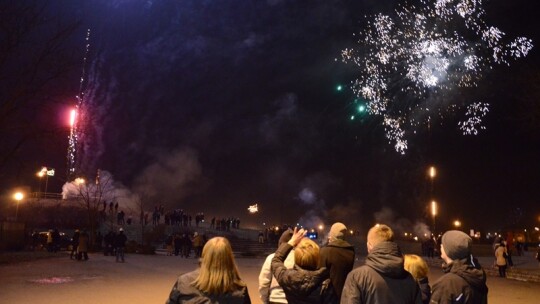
455, 245
285, 237
337, 231
218, 271
416, 266
378, 234
306, 254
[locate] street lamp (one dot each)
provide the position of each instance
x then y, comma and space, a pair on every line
43, 172
40, 174
433, 213
18, 196
457, 223
432, 172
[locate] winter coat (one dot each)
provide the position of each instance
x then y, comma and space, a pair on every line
382, 279
184, 292
464, 281
269, 288
197, 241
500, 254
301, 285
338, 258
425, 290
120, 240
75, 240
84, 239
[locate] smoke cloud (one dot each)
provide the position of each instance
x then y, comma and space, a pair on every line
401, 225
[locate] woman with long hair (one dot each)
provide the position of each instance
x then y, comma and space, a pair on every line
217, 279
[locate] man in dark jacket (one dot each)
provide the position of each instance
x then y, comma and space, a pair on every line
337, 257
464, 280
74, 244
382, 279
120, 245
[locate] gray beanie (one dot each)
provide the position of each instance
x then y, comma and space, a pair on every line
337, 231
457, 244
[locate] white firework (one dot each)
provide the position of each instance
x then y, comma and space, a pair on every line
421, 52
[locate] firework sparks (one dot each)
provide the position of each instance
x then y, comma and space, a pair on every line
74, 125
421, 52
475, 112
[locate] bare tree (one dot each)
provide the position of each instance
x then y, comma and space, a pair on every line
91, 195
34, 54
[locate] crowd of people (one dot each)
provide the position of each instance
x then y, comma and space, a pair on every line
302, 272
183, 243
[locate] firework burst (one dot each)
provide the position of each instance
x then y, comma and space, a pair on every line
421, 53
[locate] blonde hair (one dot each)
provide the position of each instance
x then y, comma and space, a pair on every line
218, 272
416, 266
306, 254
380, 233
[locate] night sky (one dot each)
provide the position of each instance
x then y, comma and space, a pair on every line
217, 105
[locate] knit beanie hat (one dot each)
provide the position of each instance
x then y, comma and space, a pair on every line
337, 231
457, 244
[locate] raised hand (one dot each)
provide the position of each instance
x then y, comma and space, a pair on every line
297, 236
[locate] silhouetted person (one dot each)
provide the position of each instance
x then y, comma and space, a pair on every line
120, 245
382, 279
74, 244
464, 280
337, 256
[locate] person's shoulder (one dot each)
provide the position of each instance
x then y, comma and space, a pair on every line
447, 278
361, 271
269, 258
189, 276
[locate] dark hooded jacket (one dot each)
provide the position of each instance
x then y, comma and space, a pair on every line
382, 279
464, 281
425, 290
338, 258
184, 292
301, 285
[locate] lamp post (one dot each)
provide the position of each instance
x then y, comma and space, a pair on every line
433, 213
432, 172
44, 172
457, 224
40, 175
18, 196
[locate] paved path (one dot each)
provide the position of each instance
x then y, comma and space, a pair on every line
148, 279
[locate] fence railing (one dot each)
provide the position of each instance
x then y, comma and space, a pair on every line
49, 195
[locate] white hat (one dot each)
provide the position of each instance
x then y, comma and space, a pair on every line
121, 229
